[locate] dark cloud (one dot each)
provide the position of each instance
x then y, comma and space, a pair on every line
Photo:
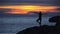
17, 2
58, 9
4, 10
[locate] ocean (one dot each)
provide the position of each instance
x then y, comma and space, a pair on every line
12, 25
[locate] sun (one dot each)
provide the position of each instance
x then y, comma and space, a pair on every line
27, 7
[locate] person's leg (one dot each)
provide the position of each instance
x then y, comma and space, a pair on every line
40, 22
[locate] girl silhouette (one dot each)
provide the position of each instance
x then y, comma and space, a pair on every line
40, 18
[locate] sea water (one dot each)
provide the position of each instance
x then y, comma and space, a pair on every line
12, 25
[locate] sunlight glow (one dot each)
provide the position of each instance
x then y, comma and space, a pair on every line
24, 9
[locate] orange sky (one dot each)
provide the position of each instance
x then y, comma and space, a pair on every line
24, 9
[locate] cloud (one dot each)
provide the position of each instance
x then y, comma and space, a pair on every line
4, 10
15, 2
58, 9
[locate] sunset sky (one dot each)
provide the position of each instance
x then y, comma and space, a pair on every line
25, 6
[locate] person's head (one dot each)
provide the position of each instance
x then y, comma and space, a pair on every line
40, 12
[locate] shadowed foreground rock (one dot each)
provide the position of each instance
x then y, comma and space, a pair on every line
44, 29
38, 30
56, 19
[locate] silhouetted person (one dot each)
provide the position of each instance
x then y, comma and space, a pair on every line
40, 18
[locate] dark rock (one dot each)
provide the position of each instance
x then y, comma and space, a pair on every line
44, 29
55, 19
39, 30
